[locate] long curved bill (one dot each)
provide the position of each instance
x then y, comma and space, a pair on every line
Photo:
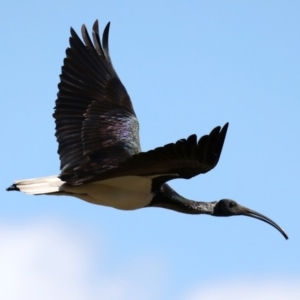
253, 214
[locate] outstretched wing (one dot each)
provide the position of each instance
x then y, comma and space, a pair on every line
96, 127
184, 159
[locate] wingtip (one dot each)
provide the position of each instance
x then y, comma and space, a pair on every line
72, 31
106, 34
96, 26
107, 26
83, 28
223, 133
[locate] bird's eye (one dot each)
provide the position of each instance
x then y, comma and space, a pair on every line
231, 204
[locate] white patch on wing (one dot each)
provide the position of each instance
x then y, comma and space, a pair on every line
128, 192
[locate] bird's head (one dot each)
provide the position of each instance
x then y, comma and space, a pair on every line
227, 207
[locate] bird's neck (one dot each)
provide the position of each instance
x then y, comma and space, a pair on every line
166, 197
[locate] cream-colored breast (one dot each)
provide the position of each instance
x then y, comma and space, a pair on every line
128, 192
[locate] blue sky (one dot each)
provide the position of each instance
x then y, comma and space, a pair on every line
188, 67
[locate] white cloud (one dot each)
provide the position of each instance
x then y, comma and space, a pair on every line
46, 260
248, 289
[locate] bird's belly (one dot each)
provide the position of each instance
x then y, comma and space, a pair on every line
128, 192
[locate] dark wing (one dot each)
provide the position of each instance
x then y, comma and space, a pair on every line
184, 159
96, 127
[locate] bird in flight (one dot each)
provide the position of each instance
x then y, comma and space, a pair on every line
99, 148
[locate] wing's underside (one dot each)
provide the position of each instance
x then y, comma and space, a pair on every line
96, 127
184, 159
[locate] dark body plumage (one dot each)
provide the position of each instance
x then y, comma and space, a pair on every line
99, 148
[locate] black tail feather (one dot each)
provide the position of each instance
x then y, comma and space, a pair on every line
13, 187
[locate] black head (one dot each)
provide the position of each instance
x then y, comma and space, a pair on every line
227, 207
